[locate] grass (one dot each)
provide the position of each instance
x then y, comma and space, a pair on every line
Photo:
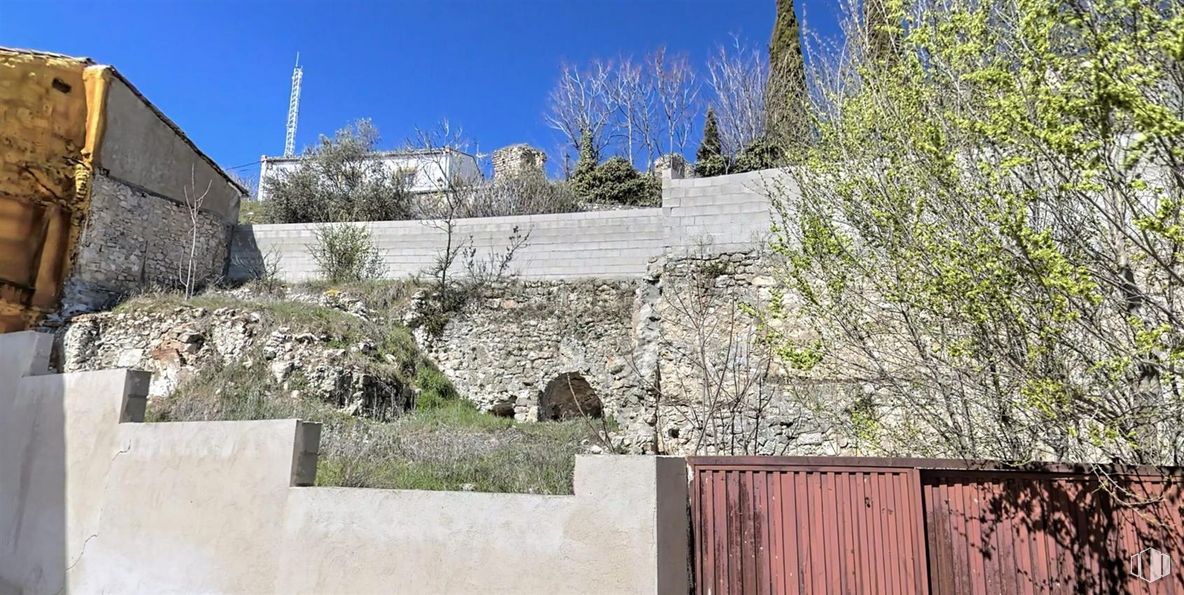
251, 211
445, 443
452, 447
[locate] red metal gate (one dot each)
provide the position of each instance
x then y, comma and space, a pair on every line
856, 525
1002, 531
766, 525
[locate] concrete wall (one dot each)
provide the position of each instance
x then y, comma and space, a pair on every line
721, 214
730, 213
92, 501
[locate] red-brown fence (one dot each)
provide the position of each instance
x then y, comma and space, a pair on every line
843, 525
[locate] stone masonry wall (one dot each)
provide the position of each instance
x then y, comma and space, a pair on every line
516, 160
724, 389
134, 239
508, 344
676, 358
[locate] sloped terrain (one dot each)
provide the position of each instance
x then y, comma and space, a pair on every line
336, 356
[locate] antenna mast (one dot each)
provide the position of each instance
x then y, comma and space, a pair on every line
293, 110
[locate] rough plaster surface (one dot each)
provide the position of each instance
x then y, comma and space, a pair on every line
93, 501
43, 117
141, 146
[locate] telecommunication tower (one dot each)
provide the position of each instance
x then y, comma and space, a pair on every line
293, 110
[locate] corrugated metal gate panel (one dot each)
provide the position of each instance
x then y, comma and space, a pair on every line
766, 527
1009, 532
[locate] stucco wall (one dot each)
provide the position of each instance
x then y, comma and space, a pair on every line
722, 214
96, 502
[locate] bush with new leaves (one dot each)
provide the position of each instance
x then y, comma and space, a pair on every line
988, 229
346, 253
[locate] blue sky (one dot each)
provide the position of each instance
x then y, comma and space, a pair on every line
221, 69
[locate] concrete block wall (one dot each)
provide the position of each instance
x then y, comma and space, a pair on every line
722, 214
606, 244
730, 213
92, 500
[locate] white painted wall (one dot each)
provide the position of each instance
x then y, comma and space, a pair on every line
91, 501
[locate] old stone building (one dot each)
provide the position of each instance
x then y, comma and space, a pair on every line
99, 191
516, 160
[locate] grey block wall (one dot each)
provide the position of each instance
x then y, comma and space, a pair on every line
725, 213
722, 214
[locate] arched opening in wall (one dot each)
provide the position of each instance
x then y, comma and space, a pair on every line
569, 396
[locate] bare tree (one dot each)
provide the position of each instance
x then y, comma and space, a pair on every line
677, 94
630, 95
186, 275
449, 292
738, 77
580, 102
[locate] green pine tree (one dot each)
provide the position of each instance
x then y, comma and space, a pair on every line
709, 159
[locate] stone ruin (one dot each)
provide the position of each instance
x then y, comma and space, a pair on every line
516, 160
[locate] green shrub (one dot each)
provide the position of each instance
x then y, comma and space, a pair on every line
346, 253
710, 159
339, 180
435, 390
761, 154
251, 212
615, 181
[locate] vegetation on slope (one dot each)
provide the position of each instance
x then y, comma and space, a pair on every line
444, 443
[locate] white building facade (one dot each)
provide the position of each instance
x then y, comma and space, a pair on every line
423, 171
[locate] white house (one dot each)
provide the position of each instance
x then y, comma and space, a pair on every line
423, 170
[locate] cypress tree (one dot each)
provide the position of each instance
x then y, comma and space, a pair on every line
709, 159
786, 87
785, 44
583, 178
